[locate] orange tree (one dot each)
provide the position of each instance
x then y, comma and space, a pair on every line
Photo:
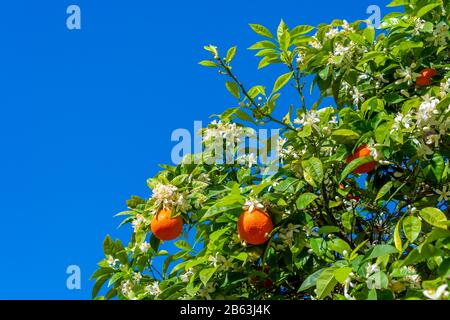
359, 206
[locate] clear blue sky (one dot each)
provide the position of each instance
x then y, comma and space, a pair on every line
87, 115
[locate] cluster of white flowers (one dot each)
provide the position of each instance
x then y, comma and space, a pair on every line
433, 124
309, 118
144, 247
427, 111
153, 289
220, 262
126, 287
249, 159
168, 196
218, 131
139, 222
419, 24
252, 204
286, 235
331, 33
137, 276
441, 34
402, 121
342, 55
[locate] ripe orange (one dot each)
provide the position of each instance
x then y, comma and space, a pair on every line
425, 78
361, 152
164, 227
253, 227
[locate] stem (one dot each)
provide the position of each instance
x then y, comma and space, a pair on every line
252, 101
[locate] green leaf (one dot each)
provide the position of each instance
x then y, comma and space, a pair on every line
301, 30
411, 228
380, 250
261, 30
219, 208
98, 285
108, 245
313, 171
344, 135
397, 238
339, 246
207, 63
353, 165
154, 243
434, 217
424, 10
230, 54
328, 230
234, 89
206, 274
310, 281
285, 40
354, 253
325, 283
183, 245
384, 190
281, 81
265, 44
437, 166
342, 274
305, 200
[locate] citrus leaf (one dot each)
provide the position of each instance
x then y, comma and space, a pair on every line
435, 217
397, 238
325, 283
305, 200
234, 89
281, 81
261, 30
411, 228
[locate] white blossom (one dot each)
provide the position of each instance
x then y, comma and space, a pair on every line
187, 275
440, 35
331, 33
252, 204
444, 194
126, 287
357, 96
436, 294
144, 247
308, 118
137, 276
371, 269
153, 289
427, 110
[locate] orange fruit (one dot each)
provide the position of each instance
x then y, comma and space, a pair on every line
425, 78
164, 227
254, 227
361, 152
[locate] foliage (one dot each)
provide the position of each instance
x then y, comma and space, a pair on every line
338, 235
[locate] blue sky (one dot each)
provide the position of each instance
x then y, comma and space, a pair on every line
87, 115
